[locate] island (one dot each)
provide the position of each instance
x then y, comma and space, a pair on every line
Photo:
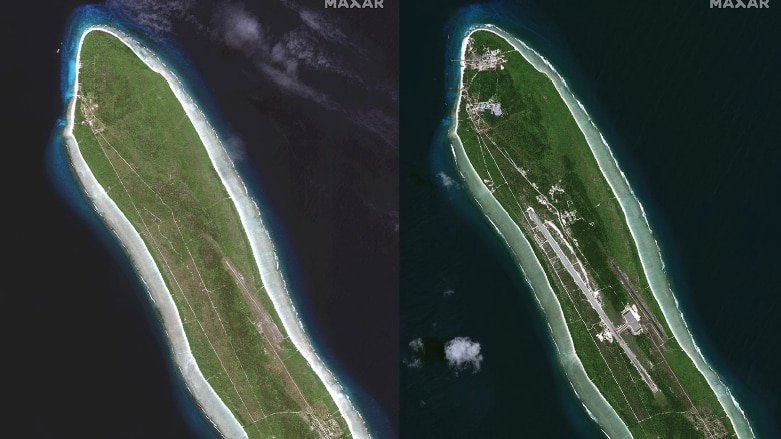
156, 172
543, 175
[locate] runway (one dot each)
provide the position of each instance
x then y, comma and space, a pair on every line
592, 300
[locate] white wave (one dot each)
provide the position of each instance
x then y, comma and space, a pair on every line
635, 216
262, 249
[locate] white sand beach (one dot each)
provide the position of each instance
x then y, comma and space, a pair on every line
260, 242
650, 254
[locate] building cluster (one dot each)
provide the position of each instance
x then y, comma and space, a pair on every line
491, 105
489, 60
631, 319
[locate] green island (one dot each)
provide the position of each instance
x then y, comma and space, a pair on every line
143, 149
517, 133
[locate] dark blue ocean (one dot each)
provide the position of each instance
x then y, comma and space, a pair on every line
85, 354
688, 98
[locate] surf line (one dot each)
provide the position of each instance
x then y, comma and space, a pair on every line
259, 238
640, 229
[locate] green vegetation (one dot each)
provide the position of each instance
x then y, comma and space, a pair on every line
530, 153
143, 149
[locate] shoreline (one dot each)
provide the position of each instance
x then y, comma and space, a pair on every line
258, 236
592, 400
634, 215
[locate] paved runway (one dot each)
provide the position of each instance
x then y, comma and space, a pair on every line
594, 304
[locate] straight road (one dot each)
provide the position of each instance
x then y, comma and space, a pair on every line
592, 300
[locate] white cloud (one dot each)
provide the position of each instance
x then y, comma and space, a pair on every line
415, 363
418, 349
282, 59
445, 180
327, 26
157, 15
241, 30
316, 44
238, 28
302, 45
235, 147
283, 52
417, 345
448, 293
462, 353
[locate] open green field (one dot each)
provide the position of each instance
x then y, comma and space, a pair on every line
143, 149
530, 152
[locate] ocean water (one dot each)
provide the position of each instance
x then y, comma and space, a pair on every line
683, 94
85, 328
83, 355
687, 97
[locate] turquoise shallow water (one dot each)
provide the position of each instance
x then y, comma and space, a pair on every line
628, 66
172, 52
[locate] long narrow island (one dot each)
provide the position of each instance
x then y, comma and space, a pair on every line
157, 174
544, 176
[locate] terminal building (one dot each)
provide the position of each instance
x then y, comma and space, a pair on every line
632, 319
